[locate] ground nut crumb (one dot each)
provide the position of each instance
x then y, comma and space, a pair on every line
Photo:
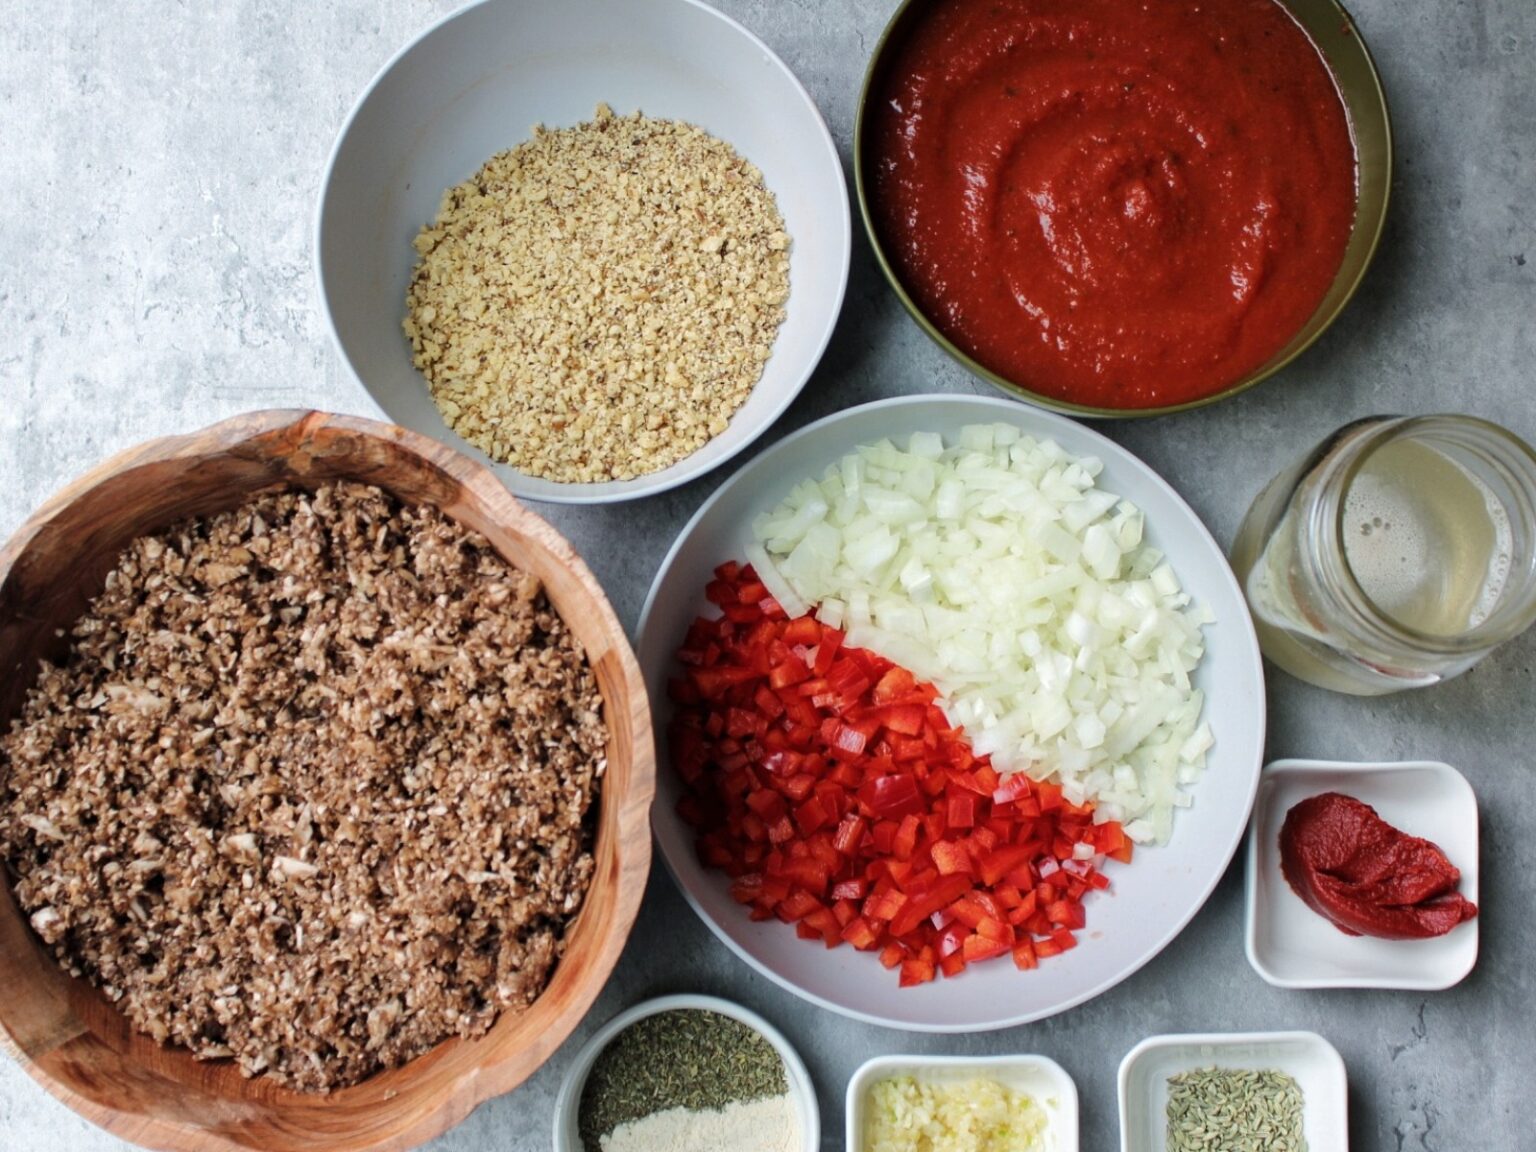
312, 789
597, 302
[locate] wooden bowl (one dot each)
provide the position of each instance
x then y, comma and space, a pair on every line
65, 1033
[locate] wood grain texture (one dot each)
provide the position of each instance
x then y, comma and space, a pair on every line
65, 1033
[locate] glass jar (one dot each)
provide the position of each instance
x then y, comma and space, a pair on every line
1396, 554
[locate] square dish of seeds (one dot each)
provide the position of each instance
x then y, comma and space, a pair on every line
1234, 1092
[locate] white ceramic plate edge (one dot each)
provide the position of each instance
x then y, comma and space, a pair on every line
682, 472
1063, 1111
575, 1077
1300, 766
1007, 411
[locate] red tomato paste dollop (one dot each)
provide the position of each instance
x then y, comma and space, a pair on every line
1117, 203
1366, 876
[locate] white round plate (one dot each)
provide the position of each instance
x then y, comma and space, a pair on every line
1150, 899
474, 85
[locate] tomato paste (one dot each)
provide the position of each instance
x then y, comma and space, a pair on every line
1366, 876
1116, 203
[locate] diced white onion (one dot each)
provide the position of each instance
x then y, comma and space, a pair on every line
996, 568
773, 580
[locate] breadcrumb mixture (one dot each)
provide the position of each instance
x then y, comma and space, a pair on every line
595, 303
312, 788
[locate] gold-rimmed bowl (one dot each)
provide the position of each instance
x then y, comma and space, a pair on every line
1348, 59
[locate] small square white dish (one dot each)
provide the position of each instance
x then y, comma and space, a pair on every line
1306, 1057
1291, 946
1039, 1076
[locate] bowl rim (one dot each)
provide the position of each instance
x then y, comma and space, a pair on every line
1006, 412
1304, 767
682, 472
574, 1079
486, 1079
1022, 392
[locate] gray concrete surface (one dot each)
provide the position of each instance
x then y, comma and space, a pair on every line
158, 169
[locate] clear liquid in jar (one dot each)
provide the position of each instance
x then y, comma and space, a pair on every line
1426, 541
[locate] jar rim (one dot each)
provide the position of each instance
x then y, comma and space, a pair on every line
1510, 451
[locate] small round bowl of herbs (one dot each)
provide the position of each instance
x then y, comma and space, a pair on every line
687, 1072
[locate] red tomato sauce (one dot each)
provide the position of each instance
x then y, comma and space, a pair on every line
1116, 203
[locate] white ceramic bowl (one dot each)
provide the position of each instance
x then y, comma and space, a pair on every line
1149, 901
1039, 1076
568, 1102
473, 85
1291, 946
1306, 1057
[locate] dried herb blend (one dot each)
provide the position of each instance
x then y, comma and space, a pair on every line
688, 1058
1234, 1110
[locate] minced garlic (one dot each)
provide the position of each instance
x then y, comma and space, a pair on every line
903, 1114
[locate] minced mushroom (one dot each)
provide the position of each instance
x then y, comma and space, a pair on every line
249, 803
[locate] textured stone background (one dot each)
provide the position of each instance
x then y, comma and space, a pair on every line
159, 164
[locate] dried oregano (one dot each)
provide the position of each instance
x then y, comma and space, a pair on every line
681, 1059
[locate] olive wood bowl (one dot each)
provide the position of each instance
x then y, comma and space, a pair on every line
65, 1033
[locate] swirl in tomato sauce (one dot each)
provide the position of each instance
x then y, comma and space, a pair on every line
1117, 203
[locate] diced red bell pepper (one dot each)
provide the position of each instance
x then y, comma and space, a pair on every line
920, 906
1013, 787
712, 683
894, 685
853, 888
850, 834
859, 933
953, 965
978, 947
960, 812
905, 842
950, 856
815, 772
802, 630
998, 864
904, 719
951, 939
811, 816
892, 797
885, 905
916, 971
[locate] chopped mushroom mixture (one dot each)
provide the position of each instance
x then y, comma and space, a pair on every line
313, 788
